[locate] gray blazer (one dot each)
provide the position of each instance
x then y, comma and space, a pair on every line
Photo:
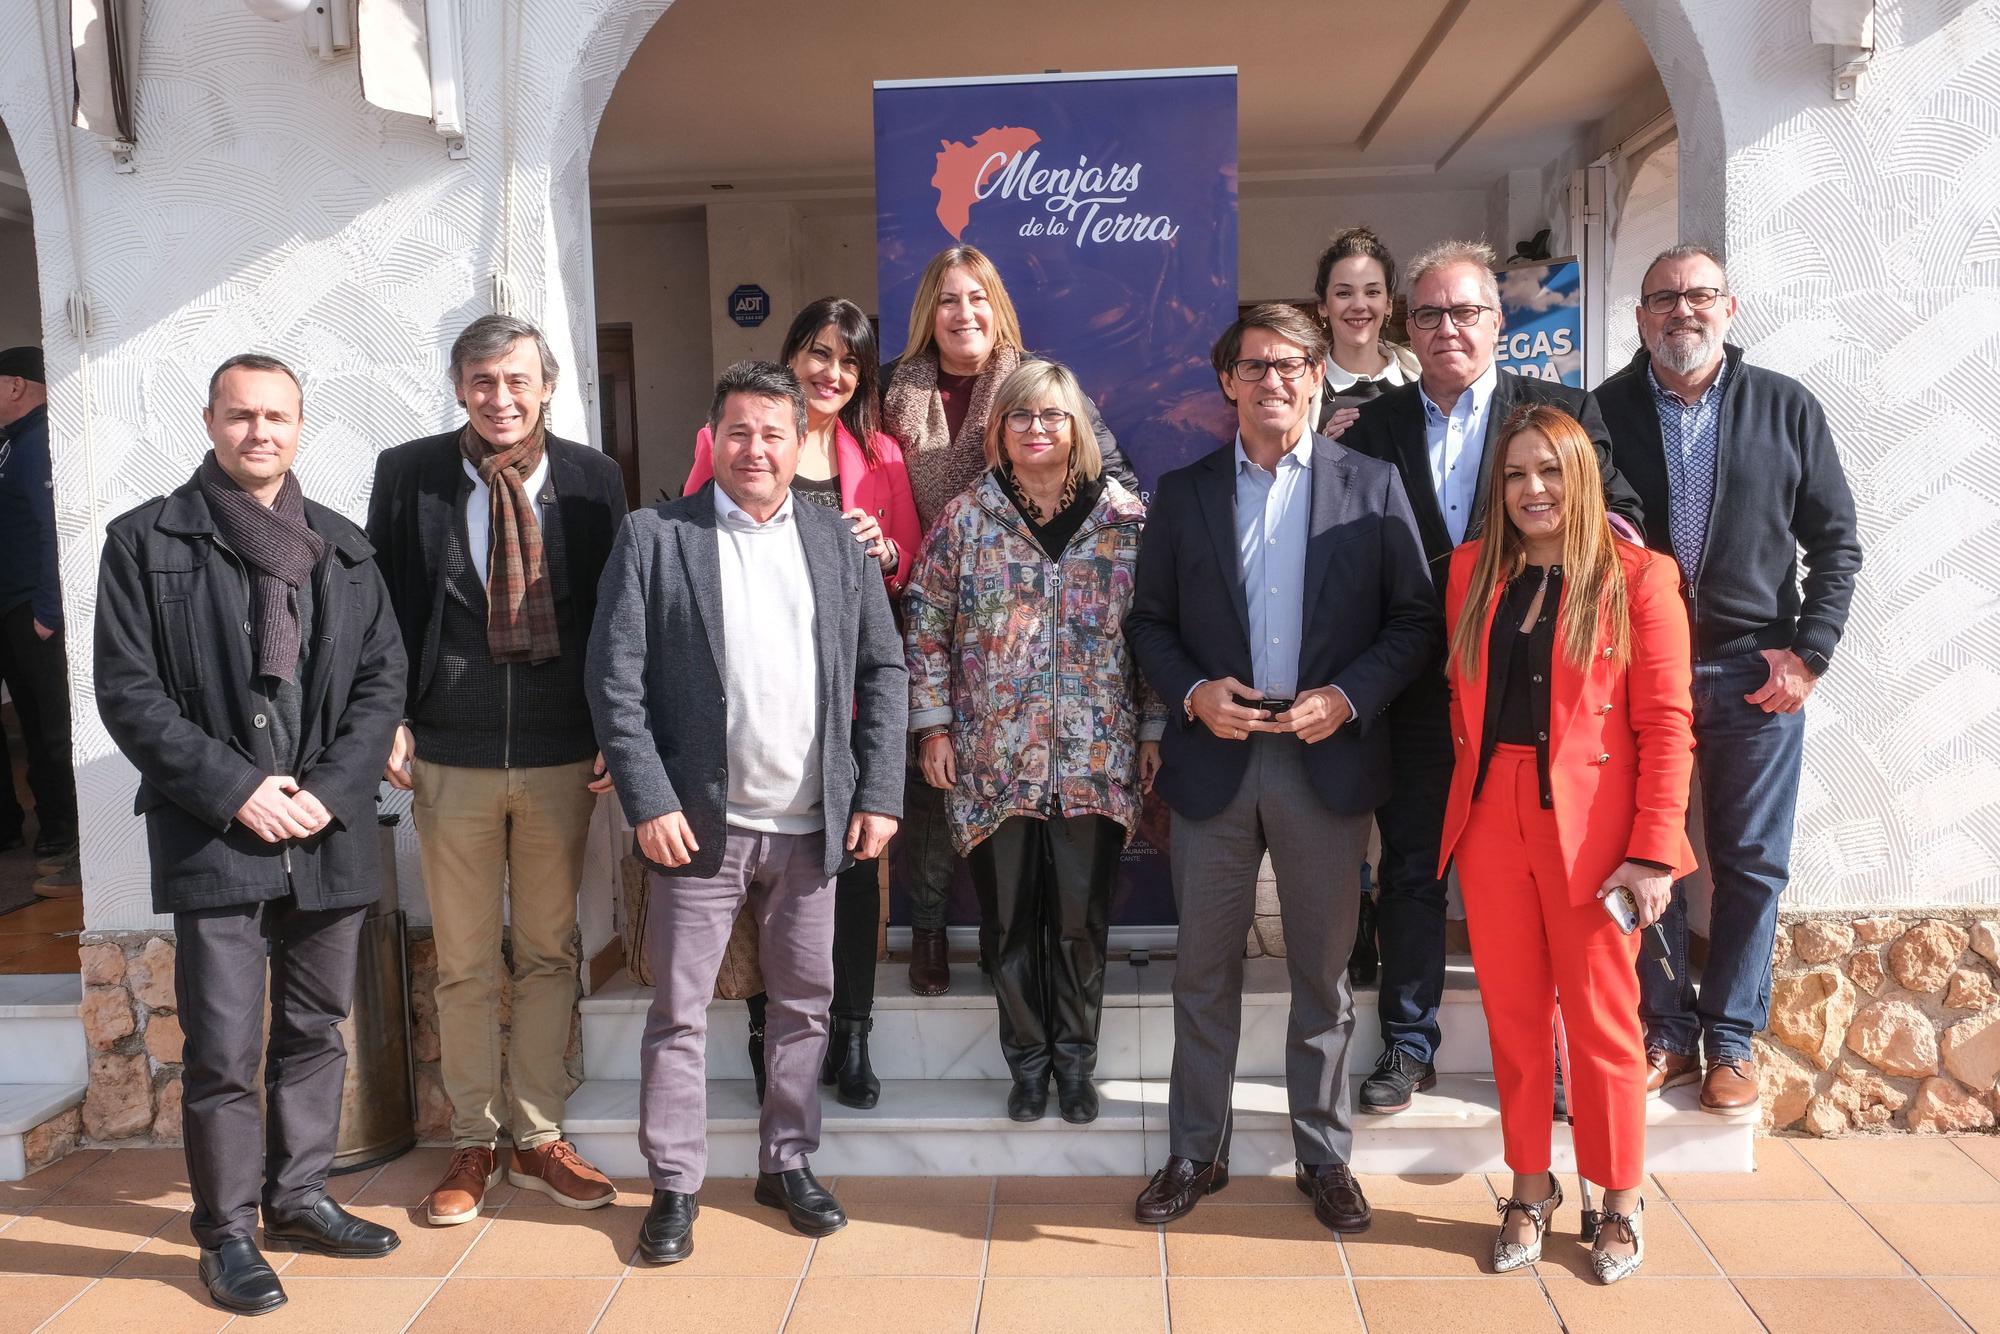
655, 670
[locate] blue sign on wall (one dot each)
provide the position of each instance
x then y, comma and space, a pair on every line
749, 305
1541, 334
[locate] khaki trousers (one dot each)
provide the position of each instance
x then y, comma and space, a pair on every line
504, 846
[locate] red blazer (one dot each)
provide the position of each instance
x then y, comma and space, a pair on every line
1621, 739
883, 490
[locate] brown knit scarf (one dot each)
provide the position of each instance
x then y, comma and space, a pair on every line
940, 466
281, 552
520, 600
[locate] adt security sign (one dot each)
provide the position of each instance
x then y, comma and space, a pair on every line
749, 305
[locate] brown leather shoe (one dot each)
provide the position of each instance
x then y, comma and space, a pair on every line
1337, 1199
458, 1197
1730, 1088
1668, 1069
930, 969
1177, 1188
558, 1171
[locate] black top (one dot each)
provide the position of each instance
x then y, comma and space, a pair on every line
1517, 674
1054, 536
822, 491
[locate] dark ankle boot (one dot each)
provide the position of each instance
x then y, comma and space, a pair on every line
757, 1075
930, 965
846, 1066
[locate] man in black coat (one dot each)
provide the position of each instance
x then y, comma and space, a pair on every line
492, 538
249, 667
1442, 433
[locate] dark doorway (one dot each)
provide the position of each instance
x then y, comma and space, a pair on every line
619, 413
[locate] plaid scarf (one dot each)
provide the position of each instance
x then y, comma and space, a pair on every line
281, 552
520, 600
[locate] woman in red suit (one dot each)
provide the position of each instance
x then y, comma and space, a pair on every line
1571, 716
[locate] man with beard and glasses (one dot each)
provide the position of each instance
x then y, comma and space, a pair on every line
1738, 474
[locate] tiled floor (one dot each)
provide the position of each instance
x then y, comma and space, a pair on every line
1897, 1235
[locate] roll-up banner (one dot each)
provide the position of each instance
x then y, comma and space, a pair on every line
1107, 202
1541, 305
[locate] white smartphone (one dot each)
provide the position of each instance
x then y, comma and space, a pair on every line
1622, 908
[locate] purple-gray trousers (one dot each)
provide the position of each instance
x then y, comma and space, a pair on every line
687, 929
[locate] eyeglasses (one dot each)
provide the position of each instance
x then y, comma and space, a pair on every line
1430, 317
1698, 298
1021, 421
1252, 370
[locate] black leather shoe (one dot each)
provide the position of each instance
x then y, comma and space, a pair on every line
811, 1206
1028, 1100
239, 1279
1398, 1077
1177, 1188
667, 1235
846, 1066
328, 1229
1078, 1100
757, 1072
1336, 1196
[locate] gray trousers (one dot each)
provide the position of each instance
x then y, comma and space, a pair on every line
687, 930
1316, 855
219, 987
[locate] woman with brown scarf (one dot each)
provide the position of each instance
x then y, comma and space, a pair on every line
964, 341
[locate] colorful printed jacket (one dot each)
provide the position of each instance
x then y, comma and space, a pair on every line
1025, 659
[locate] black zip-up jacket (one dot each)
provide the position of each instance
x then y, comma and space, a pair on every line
1779, 489
177, 689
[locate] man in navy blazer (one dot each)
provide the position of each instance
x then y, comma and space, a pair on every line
1281, 603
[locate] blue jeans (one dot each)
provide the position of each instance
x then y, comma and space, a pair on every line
1409, 896
1748, 762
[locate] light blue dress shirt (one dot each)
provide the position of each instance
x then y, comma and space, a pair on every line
1456, 441
1273, 520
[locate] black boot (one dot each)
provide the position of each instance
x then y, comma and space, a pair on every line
1364, 965
1077, 1097
1028, 1100
846, 1066
755, 1004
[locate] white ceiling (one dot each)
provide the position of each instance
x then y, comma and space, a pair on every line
772, 97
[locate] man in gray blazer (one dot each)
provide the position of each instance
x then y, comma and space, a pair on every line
748, 689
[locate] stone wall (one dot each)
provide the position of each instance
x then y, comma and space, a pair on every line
134, 1034
1883, 1023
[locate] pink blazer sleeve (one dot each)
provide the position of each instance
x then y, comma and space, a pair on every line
704, 462
901, 523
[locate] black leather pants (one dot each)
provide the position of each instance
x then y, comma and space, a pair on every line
1049, 882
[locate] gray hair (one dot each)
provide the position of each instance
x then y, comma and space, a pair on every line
1686, 250
492, 336
256, 361
1446, 254
759, 379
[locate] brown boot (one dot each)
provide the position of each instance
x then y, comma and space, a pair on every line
1730, 1088
558, 1171
458, 1197
1668, 1069
930, 970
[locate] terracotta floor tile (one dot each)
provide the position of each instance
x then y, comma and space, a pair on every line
1982, 1149
1050, 1306
1266, 1305
1462, 1306
1466, 1188
171, 1253
1961, 1239
671, 1300
131, 1176
1262, 1190
916, 1239
1419, 1240
409, 1179
1853, 1305
1641, 1302
1251, 1240
82, 1241
842, 1305
487, 1305
633, 1193
1804, 1239
855, 1191
1781, 1175
40, 1185
1897, 1169
347, 1305
738, 1241
26, 1300
554, 1242
1671, 1250
156, 1305
1072, 1240
424, 1252
1070, 1190
1977, 1300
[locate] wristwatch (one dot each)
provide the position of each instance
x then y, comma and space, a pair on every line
1815, 661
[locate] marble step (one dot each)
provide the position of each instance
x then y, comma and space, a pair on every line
956, 1036
41, 1037
958, 1127
22, 1108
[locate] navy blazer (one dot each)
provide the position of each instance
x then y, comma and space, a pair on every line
1371, 622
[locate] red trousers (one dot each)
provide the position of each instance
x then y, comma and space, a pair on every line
1530, 944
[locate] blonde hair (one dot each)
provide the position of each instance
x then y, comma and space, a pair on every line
930, 294
1594, 593
1028, 386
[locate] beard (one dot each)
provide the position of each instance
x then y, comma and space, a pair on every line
1685, 356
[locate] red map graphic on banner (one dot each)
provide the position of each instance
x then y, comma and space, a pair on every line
963, 168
